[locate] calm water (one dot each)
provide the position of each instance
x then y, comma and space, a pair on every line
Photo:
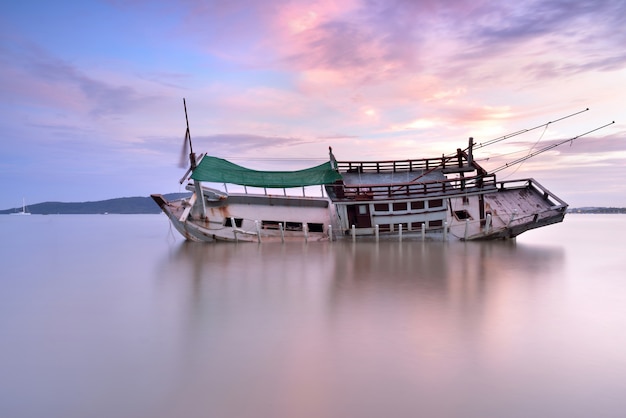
115, 316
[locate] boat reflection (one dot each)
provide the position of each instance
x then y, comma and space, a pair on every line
342, 329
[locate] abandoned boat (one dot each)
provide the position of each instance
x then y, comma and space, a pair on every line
422, 198
448, 197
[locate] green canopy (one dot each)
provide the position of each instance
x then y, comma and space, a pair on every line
218, 170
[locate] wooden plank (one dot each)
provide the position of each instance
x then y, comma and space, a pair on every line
187, 210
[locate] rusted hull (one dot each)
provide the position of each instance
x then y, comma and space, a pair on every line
501, 212
283, 220
514, 231
442, 198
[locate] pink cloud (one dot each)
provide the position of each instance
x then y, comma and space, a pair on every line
401, 61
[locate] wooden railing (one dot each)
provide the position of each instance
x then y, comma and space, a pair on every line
445, 187
393, 166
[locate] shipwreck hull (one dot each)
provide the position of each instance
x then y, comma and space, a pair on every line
501, 211
449, 196
251, 218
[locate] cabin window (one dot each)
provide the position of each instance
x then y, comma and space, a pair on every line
270, 224
315, 227
416, 225
238, 222
462, 215
417, 205
381, 207
399, 206
362, 209
435, 224
293, 226
384, 228
405, 226
435, 203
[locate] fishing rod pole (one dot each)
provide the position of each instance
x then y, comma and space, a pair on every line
523, 131
549, 147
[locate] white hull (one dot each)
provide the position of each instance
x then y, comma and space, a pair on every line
512, 208
251, 218
448, 197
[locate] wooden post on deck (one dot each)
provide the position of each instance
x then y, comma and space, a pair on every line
488, 223
353, 233
234, 226
305, 229
445, 231
258, 231
377, 232
466, 229
330, 233
400, 232
282, 232
481, 208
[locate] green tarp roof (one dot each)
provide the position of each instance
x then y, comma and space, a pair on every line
218, 170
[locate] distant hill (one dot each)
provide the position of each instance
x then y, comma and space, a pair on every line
122, 205
596, 210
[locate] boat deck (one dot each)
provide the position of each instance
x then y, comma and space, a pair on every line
517, 206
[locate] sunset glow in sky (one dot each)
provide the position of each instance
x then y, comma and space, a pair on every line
91, 92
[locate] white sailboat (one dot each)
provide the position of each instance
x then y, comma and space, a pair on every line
23, 212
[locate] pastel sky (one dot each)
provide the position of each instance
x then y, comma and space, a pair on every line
91, 92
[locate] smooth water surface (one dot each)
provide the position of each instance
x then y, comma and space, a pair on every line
115, 316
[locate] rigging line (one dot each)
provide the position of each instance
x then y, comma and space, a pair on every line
497, 156
444, 160
542, 150
523, 131
529, 151
493, 141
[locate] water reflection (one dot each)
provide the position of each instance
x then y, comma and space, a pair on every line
336, 329
114, 318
